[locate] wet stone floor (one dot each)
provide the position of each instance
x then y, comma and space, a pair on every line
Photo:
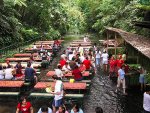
102, 93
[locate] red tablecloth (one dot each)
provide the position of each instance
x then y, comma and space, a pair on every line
81, 43
44, 43
11, 83
67, 85
31, 49
44, 46
51, 73
22, 59
84, 47
49, 41
25, 55
17, 59
75, 45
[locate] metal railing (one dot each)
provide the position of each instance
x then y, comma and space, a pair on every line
17, 46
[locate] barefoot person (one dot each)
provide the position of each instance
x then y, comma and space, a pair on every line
121, 80
58, 92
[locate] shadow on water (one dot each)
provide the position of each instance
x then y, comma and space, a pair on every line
102, 93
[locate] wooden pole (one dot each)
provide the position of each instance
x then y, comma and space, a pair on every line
107, 41
115, 46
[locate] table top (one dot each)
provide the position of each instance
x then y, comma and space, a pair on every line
23, 64
51, 73
67, 85
11, 83
23, 59
84, 47
30, 49
49, 41
25, 55
81, 44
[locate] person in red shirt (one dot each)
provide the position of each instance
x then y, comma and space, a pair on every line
56, 42
87, 63
120, 62
62, 62
111, 67
82, 67
77, 74
24, 106
19, 74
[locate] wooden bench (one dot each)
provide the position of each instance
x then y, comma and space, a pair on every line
9, 93
51, 95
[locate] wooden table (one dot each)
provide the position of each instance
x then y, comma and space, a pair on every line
67, 85
25, 55
84, 47
74, 45
44, 46
49, 41
35, 65
38, 49
81, 43
44, 43
10, 84
22, 59
51, 73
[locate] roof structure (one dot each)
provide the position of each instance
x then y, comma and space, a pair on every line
140, 43
144, 24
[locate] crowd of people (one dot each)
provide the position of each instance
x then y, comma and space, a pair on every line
74, 61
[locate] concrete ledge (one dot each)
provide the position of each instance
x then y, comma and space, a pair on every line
51, 95
9, 93
84, 81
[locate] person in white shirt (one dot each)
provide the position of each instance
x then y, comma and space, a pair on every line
146, 102
71, 55
1, 73
82, 58
58, 71
63, 55
76, 109
97, 57
80, 49
58, 92
66, 67
9, 73
45, 109
104, 57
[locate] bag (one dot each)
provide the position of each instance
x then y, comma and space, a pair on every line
71, 80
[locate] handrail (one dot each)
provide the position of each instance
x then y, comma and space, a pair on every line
18, 46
